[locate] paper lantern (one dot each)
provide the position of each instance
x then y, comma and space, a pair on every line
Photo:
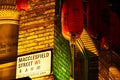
72, 21
64, 22
97, 18
72, 18
22, 5
112, 40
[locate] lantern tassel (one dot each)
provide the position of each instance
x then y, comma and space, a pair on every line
72, 46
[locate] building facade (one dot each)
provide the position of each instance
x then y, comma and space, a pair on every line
32, 44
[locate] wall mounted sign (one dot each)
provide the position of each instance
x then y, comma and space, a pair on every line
34, 65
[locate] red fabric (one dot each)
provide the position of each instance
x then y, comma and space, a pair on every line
113, 38
22, 4
97, 19
76, 16
104, 20
72, 18
92, 17
64, 21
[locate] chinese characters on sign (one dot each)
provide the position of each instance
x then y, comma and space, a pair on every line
34, 65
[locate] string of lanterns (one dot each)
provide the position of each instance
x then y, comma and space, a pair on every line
102, 23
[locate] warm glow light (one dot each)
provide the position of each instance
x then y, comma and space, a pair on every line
51, 77
9, 22
9, 14
7, 71
88, 43
22, 5
113, 71
7, 64
72, 18
36, 30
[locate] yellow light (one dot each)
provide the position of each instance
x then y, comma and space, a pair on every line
114, 73
88, 43
9, 14
7, 64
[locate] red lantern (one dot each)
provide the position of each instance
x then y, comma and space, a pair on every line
97, 17
104, 20
113, 38
64, 21
92, 17
72, 18
22, 5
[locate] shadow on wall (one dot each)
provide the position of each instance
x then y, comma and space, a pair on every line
25, 78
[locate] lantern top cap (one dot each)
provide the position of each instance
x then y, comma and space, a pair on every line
9, 17
9, 14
